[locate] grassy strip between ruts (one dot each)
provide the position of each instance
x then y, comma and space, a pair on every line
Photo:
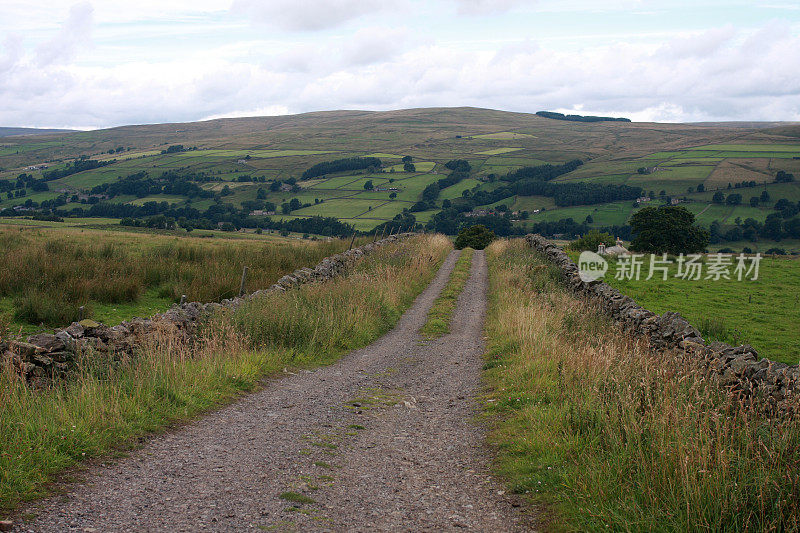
441, 312
107, 405
610, 436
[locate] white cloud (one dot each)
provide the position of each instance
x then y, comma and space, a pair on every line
62, 78
485, 7
13, 53
373, 45
74, 34
307, 15
268, 111
700, 44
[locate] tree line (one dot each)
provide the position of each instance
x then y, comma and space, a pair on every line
579, 118
141, 184
341, 165
216, 216
81, 164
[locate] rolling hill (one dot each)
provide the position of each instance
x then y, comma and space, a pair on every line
8, 132
236, 164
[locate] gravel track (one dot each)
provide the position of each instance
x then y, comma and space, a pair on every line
383, 440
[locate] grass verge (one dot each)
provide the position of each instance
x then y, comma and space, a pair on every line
108, 405
612, 437
441, 312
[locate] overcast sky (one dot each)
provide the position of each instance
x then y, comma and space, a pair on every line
106, 63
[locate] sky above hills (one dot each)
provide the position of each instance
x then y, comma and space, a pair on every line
106, 63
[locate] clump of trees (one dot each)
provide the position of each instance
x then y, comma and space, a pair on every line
174, 149
476, 237
460, 165
667, 229
141, 184
341, 165
591, 241
783, 223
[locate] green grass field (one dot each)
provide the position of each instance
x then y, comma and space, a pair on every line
615, 213
340, 208
794, 148
764, 313
502, 136
454, 191
532, 203
497, 151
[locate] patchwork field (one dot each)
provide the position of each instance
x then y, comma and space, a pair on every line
238, 161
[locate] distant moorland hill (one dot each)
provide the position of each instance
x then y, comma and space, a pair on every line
8, 132
254, 172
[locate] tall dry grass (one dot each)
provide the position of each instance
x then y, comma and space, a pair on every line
110, 404
615, 437
49, 274
326, 320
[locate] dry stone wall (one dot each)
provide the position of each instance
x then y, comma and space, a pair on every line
738, 368
43, 356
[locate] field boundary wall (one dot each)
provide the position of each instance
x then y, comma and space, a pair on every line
39, 358
737, 368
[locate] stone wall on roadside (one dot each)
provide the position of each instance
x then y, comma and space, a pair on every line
43, 356
737, 368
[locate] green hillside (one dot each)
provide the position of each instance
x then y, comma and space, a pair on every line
249, 170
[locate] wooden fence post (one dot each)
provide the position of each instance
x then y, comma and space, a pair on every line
352, 241
244, 279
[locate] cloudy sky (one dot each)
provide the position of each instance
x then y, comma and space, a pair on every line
101, 63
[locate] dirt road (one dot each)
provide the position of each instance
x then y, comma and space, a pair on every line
383, 440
